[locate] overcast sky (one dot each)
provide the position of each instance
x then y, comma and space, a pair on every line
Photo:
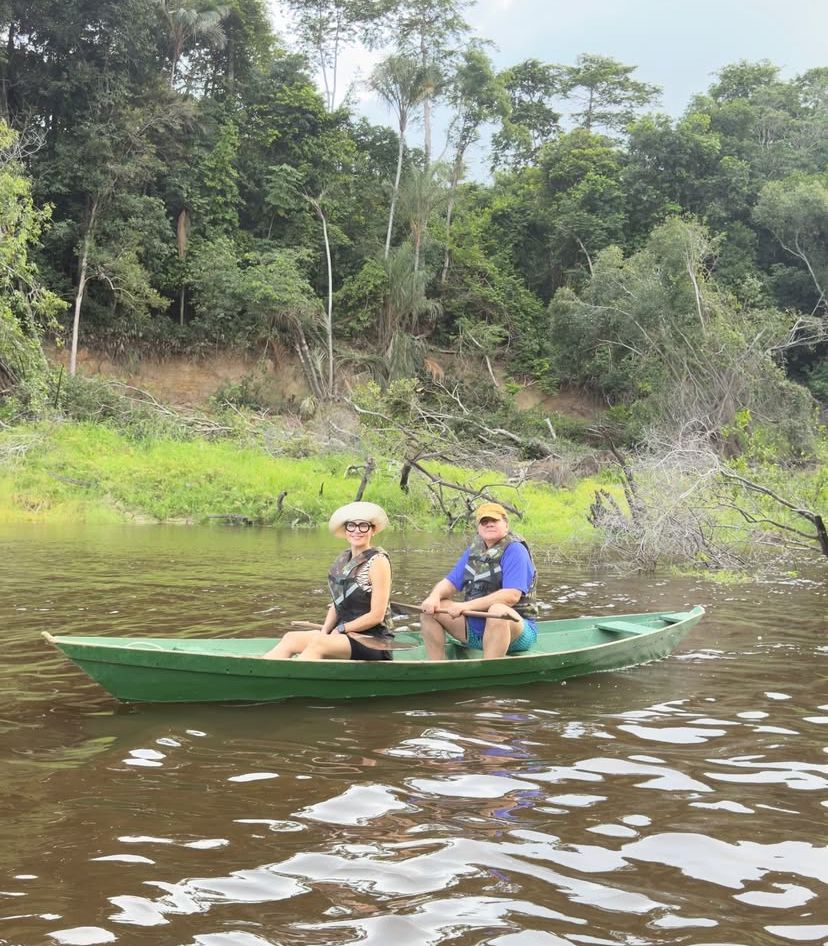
676, 44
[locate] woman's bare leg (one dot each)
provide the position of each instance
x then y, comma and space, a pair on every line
294, 642
332, 646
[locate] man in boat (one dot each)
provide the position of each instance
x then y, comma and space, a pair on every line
357, 623
496, 574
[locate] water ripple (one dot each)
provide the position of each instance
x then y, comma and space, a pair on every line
678, 804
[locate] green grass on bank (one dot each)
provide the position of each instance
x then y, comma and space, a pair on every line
61, 472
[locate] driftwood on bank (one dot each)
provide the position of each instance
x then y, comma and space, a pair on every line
437, 427
667, 516
196, 422
234, 518
675, 497
444, 424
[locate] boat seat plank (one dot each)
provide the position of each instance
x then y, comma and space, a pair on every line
674, 618
621, 627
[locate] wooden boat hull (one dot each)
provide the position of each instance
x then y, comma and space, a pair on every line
159, 670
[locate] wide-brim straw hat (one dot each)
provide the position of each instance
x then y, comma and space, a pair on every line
358, 512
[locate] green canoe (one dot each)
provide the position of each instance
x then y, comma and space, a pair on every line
159, 670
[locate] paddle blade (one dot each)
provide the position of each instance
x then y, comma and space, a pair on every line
399, 607
380, 643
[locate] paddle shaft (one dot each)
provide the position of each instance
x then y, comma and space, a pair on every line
416, 609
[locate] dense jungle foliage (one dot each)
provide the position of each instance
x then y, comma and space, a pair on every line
172, 180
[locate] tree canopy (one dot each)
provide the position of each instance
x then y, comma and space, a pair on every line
185, 185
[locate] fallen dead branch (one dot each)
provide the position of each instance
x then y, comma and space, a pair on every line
818, 539
196, 423
437, 486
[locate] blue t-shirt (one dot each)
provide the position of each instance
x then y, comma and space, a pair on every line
518, 570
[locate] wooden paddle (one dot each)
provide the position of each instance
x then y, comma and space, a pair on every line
375, 643
416, 609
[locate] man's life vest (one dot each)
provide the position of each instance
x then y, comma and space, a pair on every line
484, 573
350, 600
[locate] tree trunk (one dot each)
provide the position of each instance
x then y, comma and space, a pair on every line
396, 192
427, 131
329, 317
231, 66
366, 475
182, 235
311, 374
5, 68
178, 47
83, 278
803, 256
426, 108
455, 180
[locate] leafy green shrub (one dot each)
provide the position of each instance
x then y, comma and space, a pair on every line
249, 392
90, 399
817, 382
360, 299
25, 305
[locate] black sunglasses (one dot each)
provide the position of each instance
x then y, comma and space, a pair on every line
362, 527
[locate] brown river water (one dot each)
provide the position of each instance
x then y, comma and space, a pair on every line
683, 802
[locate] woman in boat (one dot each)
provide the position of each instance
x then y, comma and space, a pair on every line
496, 575
360, 585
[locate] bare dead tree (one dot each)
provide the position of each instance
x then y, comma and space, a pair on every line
367, 470
817, 539
667, 516
472, 496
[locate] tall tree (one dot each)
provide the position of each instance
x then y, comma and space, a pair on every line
402, 83
795, 210
189, 22
477, 96
431, 31
423, 193
25, 305
110, 155
583, 201
327, 27
532, 119
608, 95
757, 117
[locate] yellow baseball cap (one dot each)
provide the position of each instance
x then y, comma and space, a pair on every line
490, 511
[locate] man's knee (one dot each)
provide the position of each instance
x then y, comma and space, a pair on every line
429, 624
503, 612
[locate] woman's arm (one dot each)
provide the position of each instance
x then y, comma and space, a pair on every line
380, 596
330, 620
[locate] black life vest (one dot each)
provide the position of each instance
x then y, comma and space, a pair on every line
350, 600
484, 573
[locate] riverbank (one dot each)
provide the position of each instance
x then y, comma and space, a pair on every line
87, 472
